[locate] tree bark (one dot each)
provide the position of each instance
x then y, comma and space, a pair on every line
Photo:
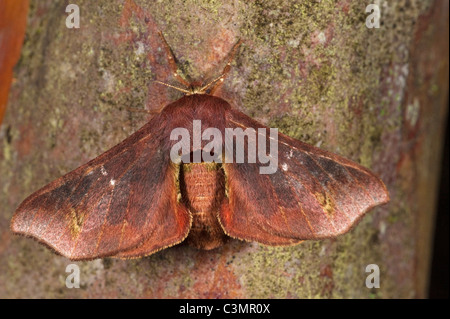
313, 69
13, 18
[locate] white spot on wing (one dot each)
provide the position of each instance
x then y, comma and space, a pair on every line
112, 182
103, 170
284, 166
291, 153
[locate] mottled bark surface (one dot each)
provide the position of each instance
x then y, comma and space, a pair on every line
13, 16
313, 69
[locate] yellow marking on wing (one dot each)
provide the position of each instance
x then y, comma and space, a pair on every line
306, 217
326, 202
284, 217
76, 220
124, 224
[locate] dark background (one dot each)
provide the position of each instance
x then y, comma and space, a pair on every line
439, 285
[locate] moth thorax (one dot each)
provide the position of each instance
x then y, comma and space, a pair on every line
202, 187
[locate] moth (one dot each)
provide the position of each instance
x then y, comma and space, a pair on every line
134, 199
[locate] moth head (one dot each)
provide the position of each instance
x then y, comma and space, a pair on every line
195, 90
195, 87
192, 88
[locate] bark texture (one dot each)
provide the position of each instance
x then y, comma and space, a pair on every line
311, 68
13, 16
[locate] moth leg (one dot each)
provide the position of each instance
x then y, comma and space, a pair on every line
172, 61
217, 83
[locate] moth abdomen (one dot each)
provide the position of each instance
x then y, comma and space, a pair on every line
202, 188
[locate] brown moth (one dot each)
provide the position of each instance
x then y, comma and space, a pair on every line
134, 200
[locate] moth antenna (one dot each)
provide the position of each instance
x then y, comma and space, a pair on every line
226, 69
172, 61
173, 87
205, 87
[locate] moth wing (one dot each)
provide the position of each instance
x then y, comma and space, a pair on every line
313, 193
121, 204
